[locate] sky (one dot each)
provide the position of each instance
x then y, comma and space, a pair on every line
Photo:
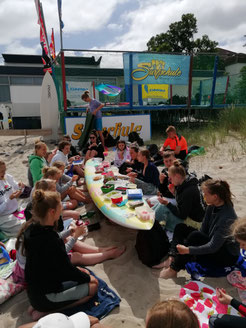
117, 24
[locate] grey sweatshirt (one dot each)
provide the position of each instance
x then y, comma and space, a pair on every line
216, 225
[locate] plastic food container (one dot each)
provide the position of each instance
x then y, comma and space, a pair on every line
106, 164
107, 188
145, 213
116, 198
134, 194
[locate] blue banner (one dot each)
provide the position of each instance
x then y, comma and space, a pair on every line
142, 68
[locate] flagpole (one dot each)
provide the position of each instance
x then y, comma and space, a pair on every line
62, 58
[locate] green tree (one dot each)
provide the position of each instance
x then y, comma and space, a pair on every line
180, 38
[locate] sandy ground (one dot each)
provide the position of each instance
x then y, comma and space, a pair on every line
133, 282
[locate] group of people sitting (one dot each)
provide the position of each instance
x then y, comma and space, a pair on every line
198, 218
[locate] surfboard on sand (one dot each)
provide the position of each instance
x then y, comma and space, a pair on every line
89, 124
124, 215
49, 106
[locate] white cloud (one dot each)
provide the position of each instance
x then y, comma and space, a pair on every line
115, 27
11, 49
223, 21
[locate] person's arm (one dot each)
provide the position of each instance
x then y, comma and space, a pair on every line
61, 188
183, 207
97, 109
215, 242
239, 306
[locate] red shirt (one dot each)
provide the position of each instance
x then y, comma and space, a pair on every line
176, 141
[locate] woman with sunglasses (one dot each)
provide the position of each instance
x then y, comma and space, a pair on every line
94, 148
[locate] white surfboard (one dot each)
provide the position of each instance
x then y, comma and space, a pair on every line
49, 111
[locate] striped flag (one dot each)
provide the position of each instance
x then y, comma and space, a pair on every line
43, 35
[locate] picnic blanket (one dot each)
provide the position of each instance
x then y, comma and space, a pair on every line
202, 300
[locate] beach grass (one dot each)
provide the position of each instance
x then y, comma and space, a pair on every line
230, 122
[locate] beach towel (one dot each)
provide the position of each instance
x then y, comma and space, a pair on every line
101, 304
197, 270
8, 289
202, 300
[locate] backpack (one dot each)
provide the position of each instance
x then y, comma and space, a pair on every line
134, 136
152, 245
153, 149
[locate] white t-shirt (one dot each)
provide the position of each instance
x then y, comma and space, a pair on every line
59, 156
7, 187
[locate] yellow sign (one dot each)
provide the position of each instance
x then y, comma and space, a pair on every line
155, 91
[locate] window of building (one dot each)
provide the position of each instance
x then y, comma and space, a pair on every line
20, 80
4, 80
4, 93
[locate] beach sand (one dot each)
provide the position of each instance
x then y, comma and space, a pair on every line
127, 276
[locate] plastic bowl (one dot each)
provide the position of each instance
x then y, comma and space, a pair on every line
107, 188
117, 198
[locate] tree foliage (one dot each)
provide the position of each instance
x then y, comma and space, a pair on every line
180, 38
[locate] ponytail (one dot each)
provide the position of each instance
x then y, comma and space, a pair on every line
220, 188
85, 95
177, 168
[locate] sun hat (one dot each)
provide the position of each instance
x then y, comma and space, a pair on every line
59, 320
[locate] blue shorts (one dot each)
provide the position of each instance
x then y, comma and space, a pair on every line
98, 124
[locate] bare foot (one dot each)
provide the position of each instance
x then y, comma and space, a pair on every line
106, 249
168, 273
36, 315
165, 264
116, 252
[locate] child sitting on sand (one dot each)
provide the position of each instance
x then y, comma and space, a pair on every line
37, 162
53, 282
122, 153
65, 185
10, 191
212, 244
62, 155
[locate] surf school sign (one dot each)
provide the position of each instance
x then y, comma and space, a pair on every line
142, 68
116, 126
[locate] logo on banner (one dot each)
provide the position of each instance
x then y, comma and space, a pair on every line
155, 91
155, 68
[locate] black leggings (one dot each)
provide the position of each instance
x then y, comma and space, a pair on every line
190, 237
226, 321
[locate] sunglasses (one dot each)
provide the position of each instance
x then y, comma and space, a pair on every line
92, 137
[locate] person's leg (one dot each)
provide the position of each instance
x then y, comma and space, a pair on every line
148, 188
84, 248
101, 137
77, 169
68, 214
95, 258
195, 238
10, 225
181, 232
226, 321
165, 217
